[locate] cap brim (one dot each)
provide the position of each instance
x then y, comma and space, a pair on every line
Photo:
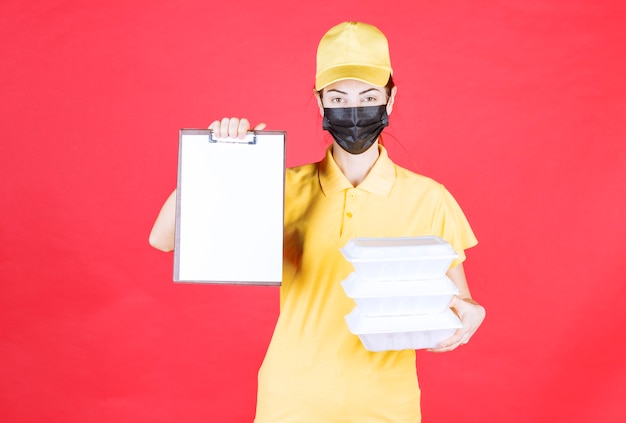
374, 75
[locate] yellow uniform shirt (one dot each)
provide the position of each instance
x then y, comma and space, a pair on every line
315, 370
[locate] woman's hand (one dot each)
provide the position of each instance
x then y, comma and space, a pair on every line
233, 127
162, 236
471, 314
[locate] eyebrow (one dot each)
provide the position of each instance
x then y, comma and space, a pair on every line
361, 93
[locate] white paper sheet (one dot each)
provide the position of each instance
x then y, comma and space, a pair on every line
229, 220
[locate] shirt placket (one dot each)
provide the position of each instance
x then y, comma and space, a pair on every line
351, 213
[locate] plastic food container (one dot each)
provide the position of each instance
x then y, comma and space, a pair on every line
393, 298
415, 332
404, 258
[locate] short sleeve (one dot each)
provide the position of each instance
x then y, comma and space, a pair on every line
451, 224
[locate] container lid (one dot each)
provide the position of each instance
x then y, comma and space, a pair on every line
397, 248
357, 288
362, 325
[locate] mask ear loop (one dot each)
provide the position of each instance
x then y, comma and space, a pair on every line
385, 121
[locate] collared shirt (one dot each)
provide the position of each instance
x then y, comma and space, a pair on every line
315, 370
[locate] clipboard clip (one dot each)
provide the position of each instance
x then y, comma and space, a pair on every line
249, 139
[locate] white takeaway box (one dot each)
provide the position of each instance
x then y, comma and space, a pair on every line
392, 298
402, 258
387, 333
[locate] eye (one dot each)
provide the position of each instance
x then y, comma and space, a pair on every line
336, 100
370, 99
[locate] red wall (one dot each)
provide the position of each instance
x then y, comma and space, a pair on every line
518, 107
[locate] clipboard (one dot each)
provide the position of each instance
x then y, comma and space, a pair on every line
230, 208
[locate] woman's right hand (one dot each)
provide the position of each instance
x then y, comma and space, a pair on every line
163, 232
233, 127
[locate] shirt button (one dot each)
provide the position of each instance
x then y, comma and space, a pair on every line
349, 214
352, 195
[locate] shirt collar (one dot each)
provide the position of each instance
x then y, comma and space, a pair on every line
378, 181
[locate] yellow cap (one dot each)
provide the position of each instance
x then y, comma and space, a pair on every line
353, 50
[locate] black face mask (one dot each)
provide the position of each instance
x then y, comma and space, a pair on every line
355, 128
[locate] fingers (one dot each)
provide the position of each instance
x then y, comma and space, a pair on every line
238, 128
215, 127
471, 315
459, 338
233, 127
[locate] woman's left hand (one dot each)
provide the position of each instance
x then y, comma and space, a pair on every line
471, 315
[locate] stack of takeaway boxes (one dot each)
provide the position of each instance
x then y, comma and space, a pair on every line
401, 291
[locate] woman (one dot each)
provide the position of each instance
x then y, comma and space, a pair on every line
315, 370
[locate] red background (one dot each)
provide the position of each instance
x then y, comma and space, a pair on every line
518, 107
